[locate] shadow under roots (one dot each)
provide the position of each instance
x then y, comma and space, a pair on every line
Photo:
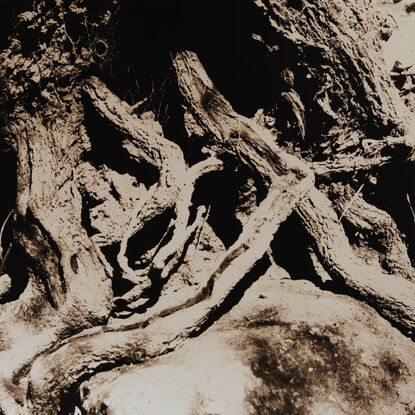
154, 233
290, 249
8, 170
12, 262
236, 294
227, 193
107, 150
397, 197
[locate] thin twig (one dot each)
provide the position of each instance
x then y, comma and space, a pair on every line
3, 261
156, 248
349, 205
410, 206
2, 230
201, 229
138, 104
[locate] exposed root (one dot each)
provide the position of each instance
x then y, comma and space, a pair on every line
208, 114
144, 144
180, 235
375, 154
166, 258
391, 295
57, 371
379, 227
121, 257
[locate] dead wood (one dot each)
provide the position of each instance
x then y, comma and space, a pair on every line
59, 370
393, 296
79, 215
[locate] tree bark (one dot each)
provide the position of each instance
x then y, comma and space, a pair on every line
114, 151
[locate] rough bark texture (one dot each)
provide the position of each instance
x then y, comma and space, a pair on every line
119, 150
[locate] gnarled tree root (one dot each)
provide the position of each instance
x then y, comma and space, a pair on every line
167, 257
392, 296
57, 371
378, 226
144, 144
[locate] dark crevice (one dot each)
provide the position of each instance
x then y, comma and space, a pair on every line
242, 68
224, 192
47, 252
9, 9
88, 203
8, 169
18, 271
290, 249
233, 298
220, 193
119, 285
71, 398
114, 192
154, 291
391, 195
152, 233
51, 245
107, 150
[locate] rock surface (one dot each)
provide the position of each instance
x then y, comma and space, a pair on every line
286, 348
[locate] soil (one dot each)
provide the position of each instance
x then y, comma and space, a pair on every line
401, 45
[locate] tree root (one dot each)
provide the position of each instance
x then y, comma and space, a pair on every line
174, 188
56, 372
378, 226
375, 154
144, 144
59, 370
392, 296
165, 259
180, 235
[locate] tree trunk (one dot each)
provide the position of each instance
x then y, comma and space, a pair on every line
124, 118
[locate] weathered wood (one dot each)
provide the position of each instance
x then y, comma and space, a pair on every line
377, 227
340, 45
392, 296
58, 371
65, 287
372, 155
145, 143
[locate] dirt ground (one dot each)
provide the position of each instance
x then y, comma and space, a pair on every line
401, 45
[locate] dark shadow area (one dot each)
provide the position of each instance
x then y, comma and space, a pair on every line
153, 233
119, 285
107, 149
8, 173
226, 35
395, 194
88, 203
18, 266
9, 9
219, 191
236, 294
290, 250
11, 256
220, 32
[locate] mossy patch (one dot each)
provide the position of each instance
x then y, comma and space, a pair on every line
301, 367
